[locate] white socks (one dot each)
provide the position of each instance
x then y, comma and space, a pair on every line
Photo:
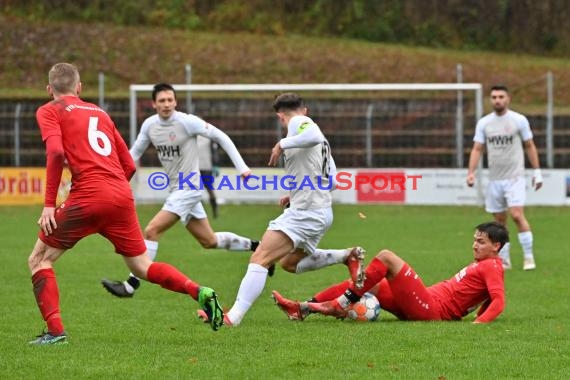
232, 242
525, 239
251, 287
322, 258
151, 248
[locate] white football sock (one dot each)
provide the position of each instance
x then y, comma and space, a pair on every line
343, 301
250, 288
505, 253
128, 286
525, 239
151, 248
232, 242
151, 251
322, 258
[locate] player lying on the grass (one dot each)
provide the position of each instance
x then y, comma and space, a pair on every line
292, 238
401, 291
100, 201
174, 134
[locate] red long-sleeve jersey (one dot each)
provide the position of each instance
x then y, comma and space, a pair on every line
480, 283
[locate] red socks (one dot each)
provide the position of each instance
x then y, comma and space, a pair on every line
47, 298
170, 278
332, 292
375, 272
47, 293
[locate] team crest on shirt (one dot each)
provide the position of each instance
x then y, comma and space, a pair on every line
172, 136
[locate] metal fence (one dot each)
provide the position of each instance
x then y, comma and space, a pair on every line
363, 132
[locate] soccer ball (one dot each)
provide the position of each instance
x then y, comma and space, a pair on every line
367, 309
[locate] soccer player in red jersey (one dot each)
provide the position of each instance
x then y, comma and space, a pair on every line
100, 201
402, 292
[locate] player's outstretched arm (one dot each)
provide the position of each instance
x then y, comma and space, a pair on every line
229, 147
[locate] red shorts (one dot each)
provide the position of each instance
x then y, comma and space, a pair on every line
407, 297
76, 220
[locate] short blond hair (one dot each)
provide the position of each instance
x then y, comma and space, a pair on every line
63, 78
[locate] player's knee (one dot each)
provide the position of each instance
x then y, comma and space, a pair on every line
261, 257
385, 255
500, 217
288, 267
32, 262
37, 261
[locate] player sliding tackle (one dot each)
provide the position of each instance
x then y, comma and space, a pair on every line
402, 292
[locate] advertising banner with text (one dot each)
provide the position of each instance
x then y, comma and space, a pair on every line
26, 186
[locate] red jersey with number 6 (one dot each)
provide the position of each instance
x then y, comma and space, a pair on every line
96, 154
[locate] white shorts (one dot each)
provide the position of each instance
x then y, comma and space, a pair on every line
305, 228
505, 193
186, 204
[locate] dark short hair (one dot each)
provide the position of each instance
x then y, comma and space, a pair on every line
497, 232
287, 101
499, 87
162, 87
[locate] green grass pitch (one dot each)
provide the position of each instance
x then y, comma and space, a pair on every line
156, 335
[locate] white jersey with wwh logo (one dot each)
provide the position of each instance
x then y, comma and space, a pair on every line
177, 147
503, 136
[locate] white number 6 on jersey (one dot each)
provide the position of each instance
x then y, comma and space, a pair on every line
95, 136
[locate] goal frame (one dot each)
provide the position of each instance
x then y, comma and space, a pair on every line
477, 88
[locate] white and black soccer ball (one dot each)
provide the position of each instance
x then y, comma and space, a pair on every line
367, 309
